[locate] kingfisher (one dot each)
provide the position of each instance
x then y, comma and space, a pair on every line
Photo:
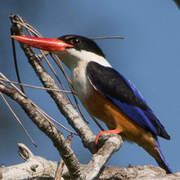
105, 93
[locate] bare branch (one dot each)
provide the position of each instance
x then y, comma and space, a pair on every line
59, 171
48, 128
17, 118
38, 168
64, 106
5, 79
24, 152
98, 160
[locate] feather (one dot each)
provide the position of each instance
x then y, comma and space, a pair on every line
124, 94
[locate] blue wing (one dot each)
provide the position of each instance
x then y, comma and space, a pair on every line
125, 95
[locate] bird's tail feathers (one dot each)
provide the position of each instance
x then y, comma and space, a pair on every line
160, 159
153, 148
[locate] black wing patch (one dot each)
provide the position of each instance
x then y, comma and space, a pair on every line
111, 83
124, 95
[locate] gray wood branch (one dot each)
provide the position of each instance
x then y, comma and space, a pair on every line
39, 168
98, 159
72, 116
45, 126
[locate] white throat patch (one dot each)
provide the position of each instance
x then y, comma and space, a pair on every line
87, 56
77, 62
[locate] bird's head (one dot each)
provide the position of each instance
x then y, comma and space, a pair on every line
72, 49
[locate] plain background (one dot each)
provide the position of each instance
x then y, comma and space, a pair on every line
149, 56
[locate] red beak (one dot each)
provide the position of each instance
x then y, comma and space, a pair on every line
47, 44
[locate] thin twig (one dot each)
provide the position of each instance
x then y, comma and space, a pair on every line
49, 118
17, 118
11, 84
59, 64
97, 123
15, 61
25, 152
107, 37
31, 30
33, 86
19, 20
54, 72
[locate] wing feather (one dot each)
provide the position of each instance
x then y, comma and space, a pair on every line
124, 95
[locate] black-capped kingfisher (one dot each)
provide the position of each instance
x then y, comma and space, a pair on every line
105, 93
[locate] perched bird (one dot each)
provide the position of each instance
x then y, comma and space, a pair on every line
105, 93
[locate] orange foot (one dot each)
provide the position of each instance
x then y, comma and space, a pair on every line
114, 131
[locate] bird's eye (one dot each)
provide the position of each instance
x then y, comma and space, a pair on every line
74, 41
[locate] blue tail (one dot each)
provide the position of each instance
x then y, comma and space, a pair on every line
161, 160
153, 148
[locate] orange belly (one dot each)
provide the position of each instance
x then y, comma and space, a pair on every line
100, 107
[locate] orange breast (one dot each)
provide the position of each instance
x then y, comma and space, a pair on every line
100, 107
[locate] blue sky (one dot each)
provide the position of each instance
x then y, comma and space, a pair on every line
149, 56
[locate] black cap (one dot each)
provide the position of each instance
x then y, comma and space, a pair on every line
82, 43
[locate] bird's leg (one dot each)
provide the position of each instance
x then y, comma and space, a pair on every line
114, 131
